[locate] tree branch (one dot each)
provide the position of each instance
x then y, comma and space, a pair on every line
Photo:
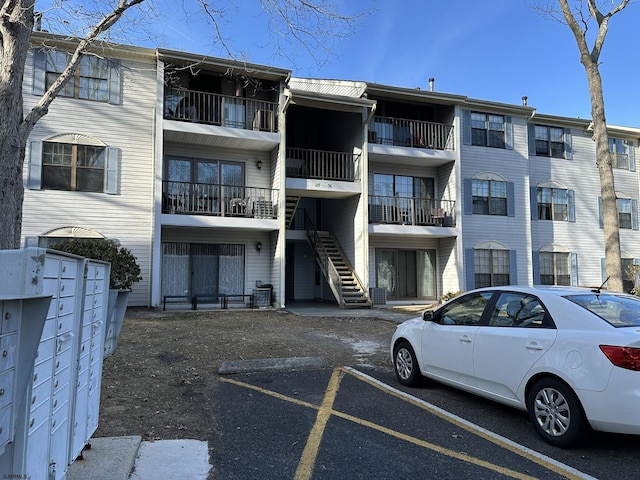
41, 108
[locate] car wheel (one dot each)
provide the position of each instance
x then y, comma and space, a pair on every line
405, 365
556, 413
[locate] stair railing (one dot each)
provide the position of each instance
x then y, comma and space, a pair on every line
326, 264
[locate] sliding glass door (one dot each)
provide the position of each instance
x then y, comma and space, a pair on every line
406, 274
202, 269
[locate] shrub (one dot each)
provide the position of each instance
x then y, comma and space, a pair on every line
125, 270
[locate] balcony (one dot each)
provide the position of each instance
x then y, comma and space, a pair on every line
411, 133
321, 164
411, 211
185, 198
220, 110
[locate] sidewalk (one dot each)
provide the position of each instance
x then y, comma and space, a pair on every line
129, 458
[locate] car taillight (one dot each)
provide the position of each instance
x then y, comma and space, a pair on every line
623, 357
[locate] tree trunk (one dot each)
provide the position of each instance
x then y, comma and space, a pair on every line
15, 31
607, 187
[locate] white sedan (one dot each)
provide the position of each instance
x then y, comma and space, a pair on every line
568, 356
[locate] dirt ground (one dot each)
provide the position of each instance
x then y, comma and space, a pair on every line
161, 382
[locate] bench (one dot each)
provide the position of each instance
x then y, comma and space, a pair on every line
186, 299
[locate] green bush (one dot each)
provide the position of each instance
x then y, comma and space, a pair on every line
449, 295
125, 270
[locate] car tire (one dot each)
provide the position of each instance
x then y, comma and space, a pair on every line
405, 364
556, 413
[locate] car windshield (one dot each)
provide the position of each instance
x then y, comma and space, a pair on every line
619, 311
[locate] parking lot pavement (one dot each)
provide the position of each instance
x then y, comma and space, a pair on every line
341, 423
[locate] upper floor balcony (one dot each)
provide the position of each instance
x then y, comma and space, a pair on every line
187, 198
321, 164
220, 110
411, 211
401, 132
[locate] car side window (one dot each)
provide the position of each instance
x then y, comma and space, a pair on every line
513, 309
465, 310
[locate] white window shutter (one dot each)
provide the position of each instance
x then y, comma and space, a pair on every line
34, 178
39, 71
115, 83
112, 172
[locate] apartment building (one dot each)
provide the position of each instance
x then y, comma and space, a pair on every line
228, 180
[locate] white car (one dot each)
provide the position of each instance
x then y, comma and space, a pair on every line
569, 356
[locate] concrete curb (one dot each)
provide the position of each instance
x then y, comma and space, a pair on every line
266, 364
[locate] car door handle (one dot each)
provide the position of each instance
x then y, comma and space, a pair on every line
534, 346
465, 339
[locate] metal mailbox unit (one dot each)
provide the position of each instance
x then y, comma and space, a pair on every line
62, 405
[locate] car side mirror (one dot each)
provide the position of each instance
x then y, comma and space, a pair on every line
427, 315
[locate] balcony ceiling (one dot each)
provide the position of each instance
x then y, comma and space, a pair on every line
215, 136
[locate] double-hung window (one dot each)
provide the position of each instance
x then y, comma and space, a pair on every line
487, 130
489, 197
491, 267
73, 162
625, 213
73, 167
622, 154
96, 78
549, 141
553, 204
555, 268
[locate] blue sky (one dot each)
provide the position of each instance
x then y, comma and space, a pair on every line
497, 50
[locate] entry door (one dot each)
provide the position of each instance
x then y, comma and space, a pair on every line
406, 274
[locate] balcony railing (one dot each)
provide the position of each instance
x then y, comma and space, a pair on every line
222, 110
411, 133
219, 200
321, 164
411, 211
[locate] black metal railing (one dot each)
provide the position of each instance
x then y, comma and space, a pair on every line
411, 211
188, 198
321, 164
223, 110
411, 133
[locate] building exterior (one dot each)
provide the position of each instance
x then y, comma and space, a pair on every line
228, 180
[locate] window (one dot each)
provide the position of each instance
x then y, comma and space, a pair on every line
619, 150
624, 213
549, 141
555, 268
489, 197
73, 162
627, 211
553, 204
487, 130
90, 80
519, 310
73, 167
95, 78
491, 267
206, 186
465, 310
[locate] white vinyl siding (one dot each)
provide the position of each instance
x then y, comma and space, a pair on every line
128, 127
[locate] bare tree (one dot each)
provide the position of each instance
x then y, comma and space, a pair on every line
579, 19
311, 23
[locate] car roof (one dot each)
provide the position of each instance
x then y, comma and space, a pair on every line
549, 289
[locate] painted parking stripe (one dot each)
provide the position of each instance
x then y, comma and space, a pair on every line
325, 411
529, 454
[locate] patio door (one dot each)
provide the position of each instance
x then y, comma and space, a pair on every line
406, 274
202, 269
